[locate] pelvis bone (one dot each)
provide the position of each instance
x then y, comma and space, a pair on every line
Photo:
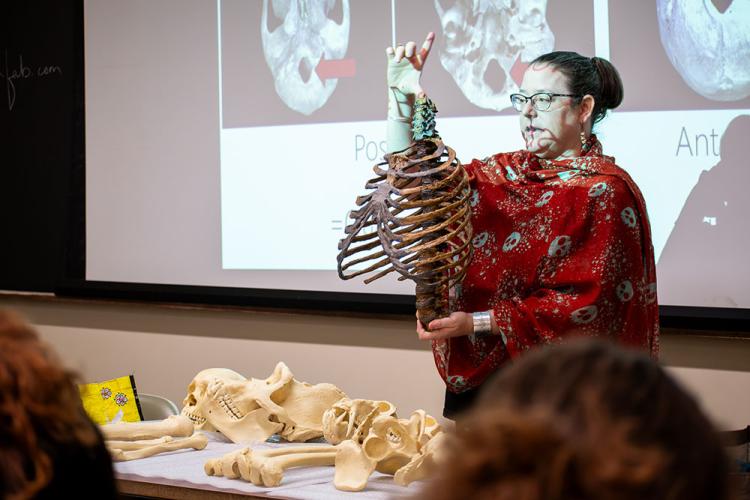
405, 448
352, 419
252, 410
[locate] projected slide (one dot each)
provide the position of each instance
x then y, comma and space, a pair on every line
507, 35
305, 51
234, 135
678, 136
303, 102
708, 43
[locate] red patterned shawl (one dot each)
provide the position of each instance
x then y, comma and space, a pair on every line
561, 248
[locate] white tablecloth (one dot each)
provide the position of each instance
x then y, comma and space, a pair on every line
185, 468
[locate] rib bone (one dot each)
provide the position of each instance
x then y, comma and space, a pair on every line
418, 213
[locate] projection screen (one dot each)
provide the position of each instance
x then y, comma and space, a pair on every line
227, 140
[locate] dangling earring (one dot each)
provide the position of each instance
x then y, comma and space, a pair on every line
584, 142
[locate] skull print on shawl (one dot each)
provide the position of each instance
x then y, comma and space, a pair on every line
561, 247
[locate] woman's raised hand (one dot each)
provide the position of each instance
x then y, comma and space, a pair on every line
405, 65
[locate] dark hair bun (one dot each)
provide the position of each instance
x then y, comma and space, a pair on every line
593, 76
611, 90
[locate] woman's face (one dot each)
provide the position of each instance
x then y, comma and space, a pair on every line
556, 132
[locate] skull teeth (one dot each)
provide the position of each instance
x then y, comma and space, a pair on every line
196, 419
227, 404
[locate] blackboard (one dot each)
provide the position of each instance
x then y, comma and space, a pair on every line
41, 138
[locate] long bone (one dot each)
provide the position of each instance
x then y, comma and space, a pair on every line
136, 445
174, 425
197, 441
267, 469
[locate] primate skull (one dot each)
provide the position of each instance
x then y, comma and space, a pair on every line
294, 49
198, 391
709, 47
253, 409
484, 39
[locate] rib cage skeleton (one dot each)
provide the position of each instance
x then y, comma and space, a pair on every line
419, 209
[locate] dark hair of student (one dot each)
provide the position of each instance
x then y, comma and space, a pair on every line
584, 420
49, 447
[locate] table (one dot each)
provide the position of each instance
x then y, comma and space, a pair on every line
180, 475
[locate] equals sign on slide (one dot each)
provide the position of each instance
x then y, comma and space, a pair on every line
337, 225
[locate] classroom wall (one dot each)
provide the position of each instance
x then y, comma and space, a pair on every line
373, 358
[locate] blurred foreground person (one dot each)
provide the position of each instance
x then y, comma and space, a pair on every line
584, 420
48, 446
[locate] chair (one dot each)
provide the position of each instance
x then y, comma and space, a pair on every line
156, 407
737, 445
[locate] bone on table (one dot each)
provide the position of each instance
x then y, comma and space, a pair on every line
197, 441
174, 425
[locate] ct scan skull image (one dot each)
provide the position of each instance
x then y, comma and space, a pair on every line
484, 39
294, 49
708, 46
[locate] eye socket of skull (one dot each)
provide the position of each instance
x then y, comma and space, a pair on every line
279, 11
335, 11
189, 399
197, 388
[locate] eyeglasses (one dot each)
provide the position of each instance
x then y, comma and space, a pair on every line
541, 101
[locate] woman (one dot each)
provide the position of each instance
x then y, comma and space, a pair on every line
49, 447
562, 244
584, 420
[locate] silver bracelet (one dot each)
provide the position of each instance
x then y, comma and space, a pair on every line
482, 322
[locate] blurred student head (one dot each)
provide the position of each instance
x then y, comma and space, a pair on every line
48, 446
584, 420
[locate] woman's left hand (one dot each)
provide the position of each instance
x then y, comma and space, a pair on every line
457, 324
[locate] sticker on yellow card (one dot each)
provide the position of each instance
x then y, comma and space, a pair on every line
112, 400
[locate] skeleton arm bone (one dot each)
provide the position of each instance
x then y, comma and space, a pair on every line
197, 441
136, 445
175, 425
